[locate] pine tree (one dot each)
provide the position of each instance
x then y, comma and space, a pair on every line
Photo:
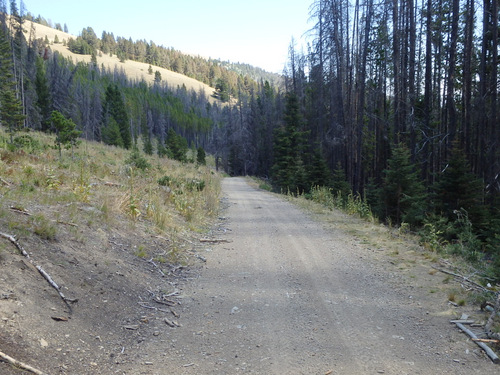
458, 188
148, 146
160, 149
289, 146
201, 156
114, 107
319, 174
110, 134
43, 94
177, 146
66, 132
402, 192
11, 109
340, 186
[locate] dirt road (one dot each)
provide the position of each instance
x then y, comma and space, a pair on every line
287, 296
288, 293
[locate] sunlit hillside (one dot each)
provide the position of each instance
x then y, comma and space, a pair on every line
133, 69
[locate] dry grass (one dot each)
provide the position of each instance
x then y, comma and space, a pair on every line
133, 69
99, 190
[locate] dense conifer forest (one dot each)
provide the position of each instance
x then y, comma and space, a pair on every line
393, 109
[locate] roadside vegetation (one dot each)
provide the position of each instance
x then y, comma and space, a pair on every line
101, 187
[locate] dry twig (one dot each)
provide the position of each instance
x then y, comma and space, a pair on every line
20, 364
42, 272
464, 278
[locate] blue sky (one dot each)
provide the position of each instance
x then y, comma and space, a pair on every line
257, 32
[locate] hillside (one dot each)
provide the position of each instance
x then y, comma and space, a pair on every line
114, 239
133, 69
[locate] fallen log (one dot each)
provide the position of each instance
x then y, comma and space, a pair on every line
482, 345
20, 364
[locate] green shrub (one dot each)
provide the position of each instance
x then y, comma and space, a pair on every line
137, 160
195, 184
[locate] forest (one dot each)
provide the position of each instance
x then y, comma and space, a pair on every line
393, 108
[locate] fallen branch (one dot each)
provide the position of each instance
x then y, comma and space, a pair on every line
55, 286
112, 184
157, 267
20, 210
16, 244
166, 302
66, 223
4, 182
465, 278
219, 240
20, 364
463, 321
487, 340
172, 323
482, 345
42, 272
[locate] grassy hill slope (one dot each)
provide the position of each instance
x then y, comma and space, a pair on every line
114, 237
133, 69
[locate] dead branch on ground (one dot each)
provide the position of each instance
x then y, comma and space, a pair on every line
215, 240
492, 320
20, 364
482, 345
464, 278
42, 272
20, 210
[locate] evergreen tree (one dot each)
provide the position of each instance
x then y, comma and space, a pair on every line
402, 192
458, 188
148, 146
177, 146
11, 109
114, 107
157, 76
340, 186
289, 145
160, 149
43, 94
66, 132
111, 135
319, 174
201, 156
